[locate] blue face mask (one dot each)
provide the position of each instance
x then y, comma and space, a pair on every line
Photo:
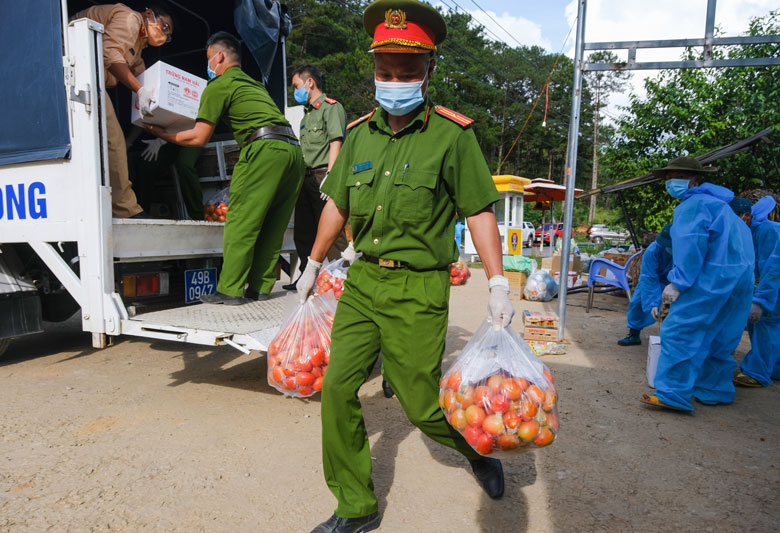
209, 71
399, 98
301, 95
677, 187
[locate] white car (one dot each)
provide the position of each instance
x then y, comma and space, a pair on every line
529, 234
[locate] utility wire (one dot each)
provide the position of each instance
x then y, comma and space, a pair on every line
496, 22
541, 92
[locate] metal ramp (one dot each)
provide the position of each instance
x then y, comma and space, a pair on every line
245, 327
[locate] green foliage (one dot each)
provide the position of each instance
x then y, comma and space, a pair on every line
691, 112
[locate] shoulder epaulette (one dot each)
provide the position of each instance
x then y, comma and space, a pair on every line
317, 104
453, 116
331, 100
361, 119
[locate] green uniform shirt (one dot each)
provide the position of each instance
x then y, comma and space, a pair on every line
324, 121
242, 101
402, 190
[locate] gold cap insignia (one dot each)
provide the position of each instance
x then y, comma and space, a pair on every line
395, 18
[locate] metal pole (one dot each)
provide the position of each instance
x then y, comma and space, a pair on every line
571, 170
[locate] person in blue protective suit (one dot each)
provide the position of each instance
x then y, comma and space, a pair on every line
459, 227
710, 289
762, 362
646, 300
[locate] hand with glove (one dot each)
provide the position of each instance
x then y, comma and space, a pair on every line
500, 308
152, 149
670, 294
654, 313
755, 312
324, 196
305, 283
145, 101
349, 254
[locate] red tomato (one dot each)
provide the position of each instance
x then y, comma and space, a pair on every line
289, 383
529, 409
465, 397
305, 390
471, 434
305, 378
484, 444
454, 380
482, 396
317, 356
317, 385
494, 383
528, 430
548, 376
458, 419
545, 437
303, 363
499, 403
511, 389
553, 422
512, 420
535, 394
453, 271
475, 415
549, 401
493, 424
507, 441
448, 400
316, 371
278, 375
289, 370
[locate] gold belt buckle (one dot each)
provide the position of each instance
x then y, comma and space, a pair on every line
387, 263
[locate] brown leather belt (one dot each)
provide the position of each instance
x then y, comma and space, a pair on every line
317, 171
395, 264
276, 131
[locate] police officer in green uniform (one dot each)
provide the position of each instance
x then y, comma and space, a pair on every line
265, 181
404, 172
322, 133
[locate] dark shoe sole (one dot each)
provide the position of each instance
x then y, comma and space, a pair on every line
621, 342
221, 299
326, 527
387, 390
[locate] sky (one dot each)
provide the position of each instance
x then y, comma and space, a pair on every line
547, 23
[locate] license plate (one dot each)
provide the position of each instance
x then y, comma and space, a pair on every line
198, 283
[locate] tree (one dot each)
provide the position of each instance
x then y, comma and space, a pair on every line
603, 83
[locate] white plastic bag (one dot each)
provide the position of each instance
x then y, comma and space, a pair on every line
499, 396
540, 287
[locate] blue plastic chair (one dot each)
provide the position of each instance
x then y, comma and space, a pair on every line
619, 272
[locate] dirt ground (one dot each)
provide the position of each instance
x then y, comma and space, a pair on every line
157, 436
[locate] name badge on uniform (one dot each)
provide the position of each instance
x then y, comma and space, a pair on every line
360, 167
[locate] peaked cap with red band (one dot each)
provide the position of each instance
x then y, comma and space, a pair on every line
404, 26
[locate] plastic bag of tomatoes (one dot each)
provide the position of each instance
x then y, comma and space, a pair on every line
499, 396
217, 206
331, 278
459, 273
300, 352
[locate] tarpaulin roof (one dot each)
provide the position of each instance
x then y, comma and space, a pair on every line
709, 157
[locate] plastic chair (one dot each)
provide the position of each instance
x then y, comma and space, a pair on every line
619, 280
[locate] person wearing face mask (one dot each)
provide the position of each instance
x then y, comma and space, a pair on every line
126, 33
265, 181
762, 363
646, 300
322, 133
405, 173
710, 288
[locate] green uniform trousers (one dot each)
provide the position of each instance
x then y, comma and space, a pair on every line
144, 173
263, 190
403, 314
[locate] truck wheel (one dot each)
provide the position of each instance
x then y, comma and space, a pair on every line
598, 240
4, 344
530, 242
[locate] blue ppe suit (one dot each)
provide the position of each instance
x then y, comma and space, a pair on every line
713, 269
459, 227
762, 362
656, 264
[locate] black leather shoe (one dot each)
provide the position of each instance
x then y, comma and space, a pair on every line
256, 296
291, 286
490, 475
142, 215
219, 298
387, 389
336, 524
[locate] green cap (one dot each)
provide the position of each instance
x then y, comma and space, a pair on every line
684, 164
404, 26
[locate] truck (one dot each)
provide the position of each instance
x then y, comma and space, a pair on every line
61, 252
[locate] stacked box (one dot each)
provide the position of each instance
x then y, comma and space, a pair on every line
540, 325
178, 97
516, 284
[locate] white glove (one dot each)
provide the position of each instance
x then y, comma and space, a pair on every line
324, 196
145, 101
306, 282
349, 255
152, 149
654, 313
755, 312
670, 294
500, 308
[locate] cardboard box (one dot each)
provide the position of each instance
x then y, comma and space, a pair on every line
575, 263
517, 282
573, 279
620, 259
540, 325
541, 334
653, 353
178, 97
547, 263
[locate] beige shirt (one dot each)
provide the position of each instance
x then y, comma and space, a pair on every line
122, 40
